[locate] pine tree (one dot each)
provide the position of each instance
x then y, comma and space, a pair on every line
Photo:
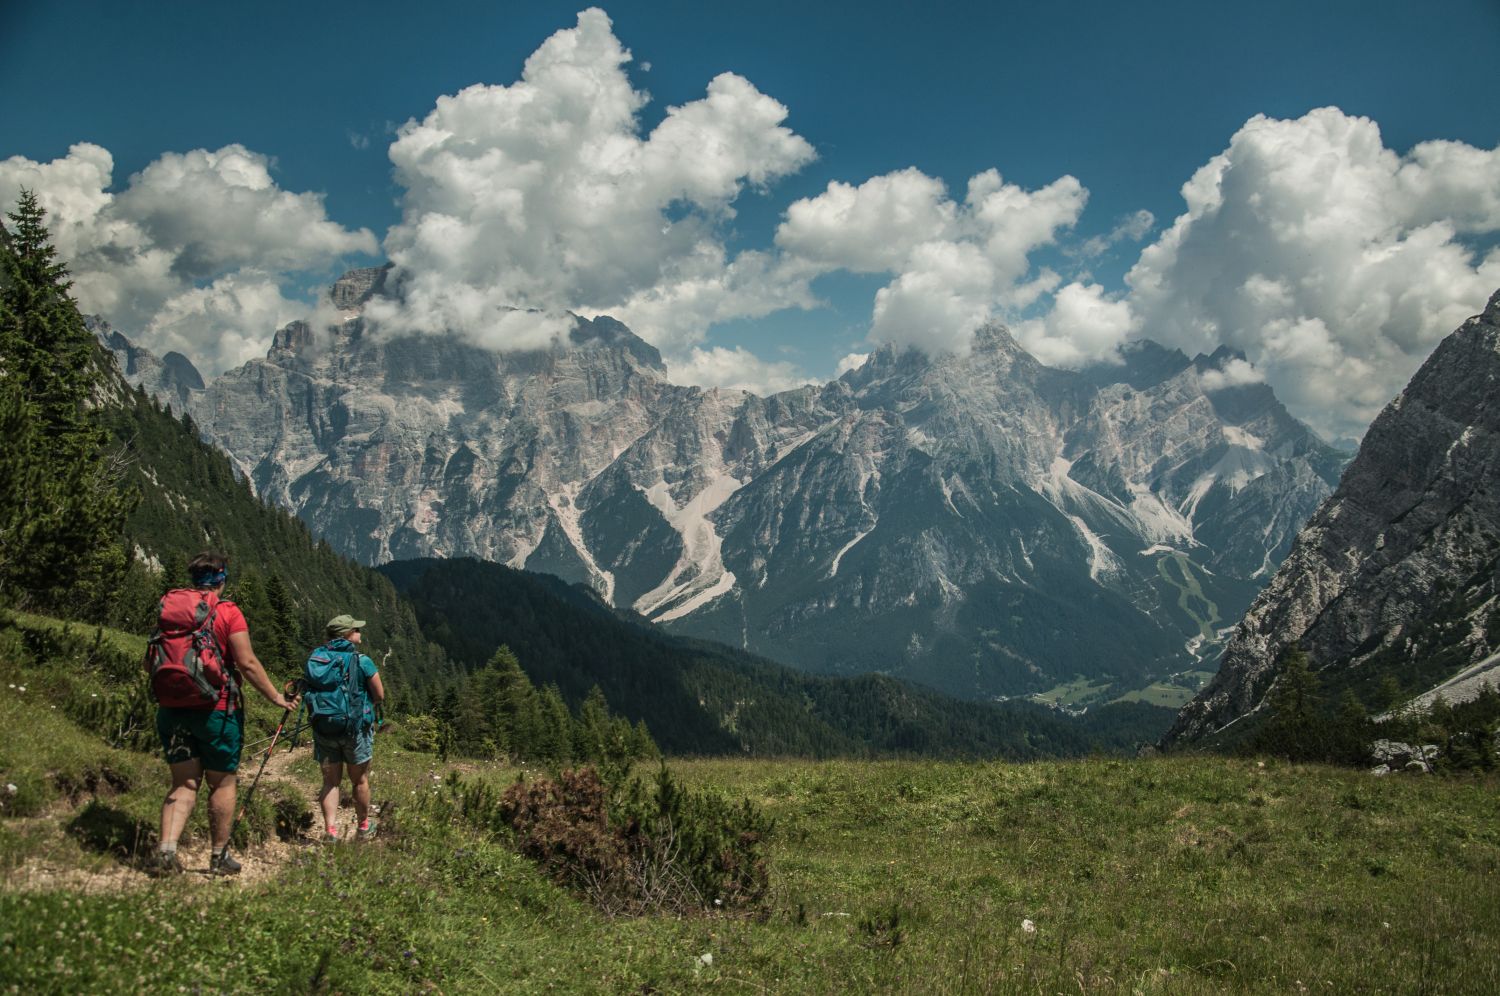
516, 709
60, 546
591, 734
555, 745
1296, 729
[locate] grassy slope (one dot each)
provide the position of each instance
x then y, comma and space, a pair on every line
1185, 874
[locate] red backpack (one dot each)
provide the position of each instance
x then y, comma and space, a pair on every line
183, 657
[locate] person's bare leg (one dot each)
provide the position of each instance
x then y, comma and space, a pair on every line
177, 807
221, 800
359, 785
328, 797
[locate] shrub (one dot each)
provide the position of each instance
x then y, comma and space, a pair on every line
647, 847
422, 734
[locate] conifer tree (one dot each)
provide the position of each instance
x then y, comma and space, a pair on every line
555, 745
515, 708
60, 548
1296, 729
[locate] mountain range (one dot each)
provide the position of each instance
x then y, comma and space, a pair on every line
982, 523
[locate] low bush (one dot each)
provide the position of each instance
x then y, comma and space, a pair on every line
649, 846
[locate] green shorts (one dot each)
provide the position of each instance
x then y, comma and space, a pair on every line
214, 737
358, 749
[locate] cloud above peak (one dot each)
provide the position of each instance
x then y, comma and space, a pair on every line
1329, 260
544, 194
953, 265
193, 254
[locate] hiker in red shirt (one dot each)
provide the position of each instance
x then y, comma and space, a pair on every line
197, 658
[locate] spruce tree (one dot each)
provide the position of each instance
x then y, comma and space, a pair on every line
60, 547
1296, 729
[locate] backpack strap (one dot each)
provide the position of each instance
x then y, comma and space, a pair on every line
207, 616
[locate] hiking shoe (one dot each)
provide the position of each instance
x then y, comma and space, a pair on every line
163, 864
223, 864
367, 832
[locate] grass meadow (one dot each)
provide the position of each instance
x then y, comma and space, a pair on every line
1180, 874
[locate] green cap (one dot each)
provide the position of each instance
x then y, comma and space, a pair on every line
343, 624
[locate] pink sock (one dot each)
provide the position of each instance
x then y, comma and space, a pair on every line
333, 831
364, 824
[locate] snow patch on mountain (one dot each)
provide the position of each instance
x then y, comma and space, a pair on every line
565, 511
1102, 560
699, 576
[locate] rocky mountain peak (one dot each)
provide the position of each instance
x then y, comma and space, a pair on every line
609, 333
916, 516
1412, 534
353, 289
172, 378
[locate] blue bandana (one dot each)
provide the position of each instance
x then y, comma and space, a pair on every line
210, 580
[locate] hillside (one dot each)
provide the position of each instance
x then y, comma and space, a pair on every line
288, 583
1393, 587
1168, 875
705, 698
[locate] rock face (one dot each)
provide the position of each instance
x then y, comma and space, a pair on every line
1411, 534
171, 379
983, 524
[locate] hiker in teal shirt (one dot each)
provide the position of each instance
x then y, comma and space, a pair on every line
343, 688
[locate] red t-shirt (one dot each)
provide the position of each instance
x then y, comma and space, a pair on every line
228, 619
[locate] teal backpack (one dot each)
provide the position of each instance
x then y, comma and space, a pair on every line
336, 696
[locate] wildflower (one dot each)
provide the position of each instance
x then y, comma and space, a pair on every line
10, 789
705, 960
1027, 927
21, 688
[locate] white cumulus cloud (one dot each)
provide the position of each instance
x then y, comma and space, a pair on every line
544, 195
1233, 373
193, 254
735, 368
954, 265
1084, 325
1330, 261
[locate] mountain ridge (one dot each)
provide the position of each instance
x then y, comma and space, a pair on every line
1398, 572
906, 503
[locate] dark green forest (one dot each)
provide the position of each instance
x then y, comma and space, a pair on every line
706, 698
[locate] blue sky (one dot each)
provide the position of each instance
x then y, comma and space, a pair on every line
1131, 101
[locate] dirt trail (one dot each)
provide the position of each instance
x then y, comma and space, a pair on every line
55, 862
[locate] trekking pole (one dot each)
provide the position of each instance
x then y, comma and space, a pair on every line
291, 688
302, 710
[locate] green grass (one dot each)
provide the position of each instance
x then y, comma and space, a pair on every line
1174, 692
1080, 691
1184, 874
1190, 597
